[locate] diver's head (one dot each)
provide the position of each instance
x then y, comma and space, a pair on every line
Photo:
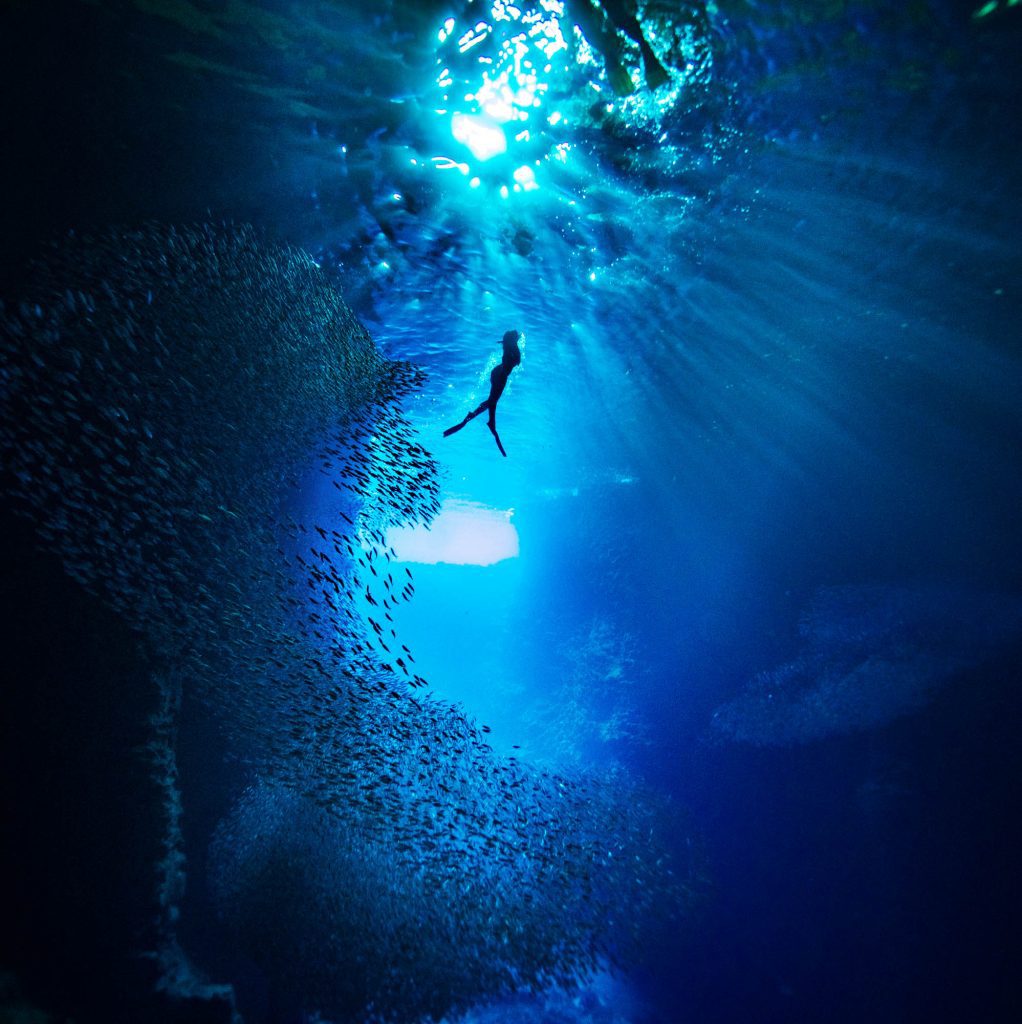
510, 338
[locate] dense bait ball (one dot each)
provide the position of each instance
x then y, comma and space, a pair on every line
166, 391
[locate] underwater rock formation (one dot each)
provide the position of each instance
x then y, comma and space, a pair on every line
169, 394
870, 654
89, 849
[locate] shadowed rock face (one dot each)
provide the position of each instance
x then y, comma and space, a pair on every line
87, 827
169, 394
870, 654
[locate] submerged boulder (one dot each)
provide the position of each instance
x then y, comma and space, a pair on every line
870, 654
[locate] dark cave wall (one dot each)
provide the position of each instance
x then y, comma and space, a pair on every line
84, 816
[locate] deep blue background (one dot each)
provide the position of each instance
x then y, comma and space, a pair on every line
797, 367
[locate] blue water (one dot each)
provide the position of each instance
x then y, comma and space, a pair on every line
771, 370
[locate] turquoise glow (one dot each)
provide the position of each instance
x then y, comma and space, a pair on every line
496, 76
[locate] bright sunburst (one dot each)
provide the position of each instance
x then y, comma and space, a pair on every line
497, 78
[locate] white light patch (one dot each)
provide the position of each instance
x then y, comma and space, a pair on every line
526, 178
464, 533
507, 78
482, 136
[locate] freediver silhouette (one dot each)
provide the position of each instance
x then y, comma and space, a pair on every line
498, 379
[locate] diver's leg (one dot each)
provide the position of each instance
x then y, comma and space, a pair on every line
472, 415
599, 33
492, 424
625, 18
457, 427
656, 73
617, 74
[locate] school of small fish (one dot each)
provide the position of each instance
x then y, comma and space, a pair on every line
165, 391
